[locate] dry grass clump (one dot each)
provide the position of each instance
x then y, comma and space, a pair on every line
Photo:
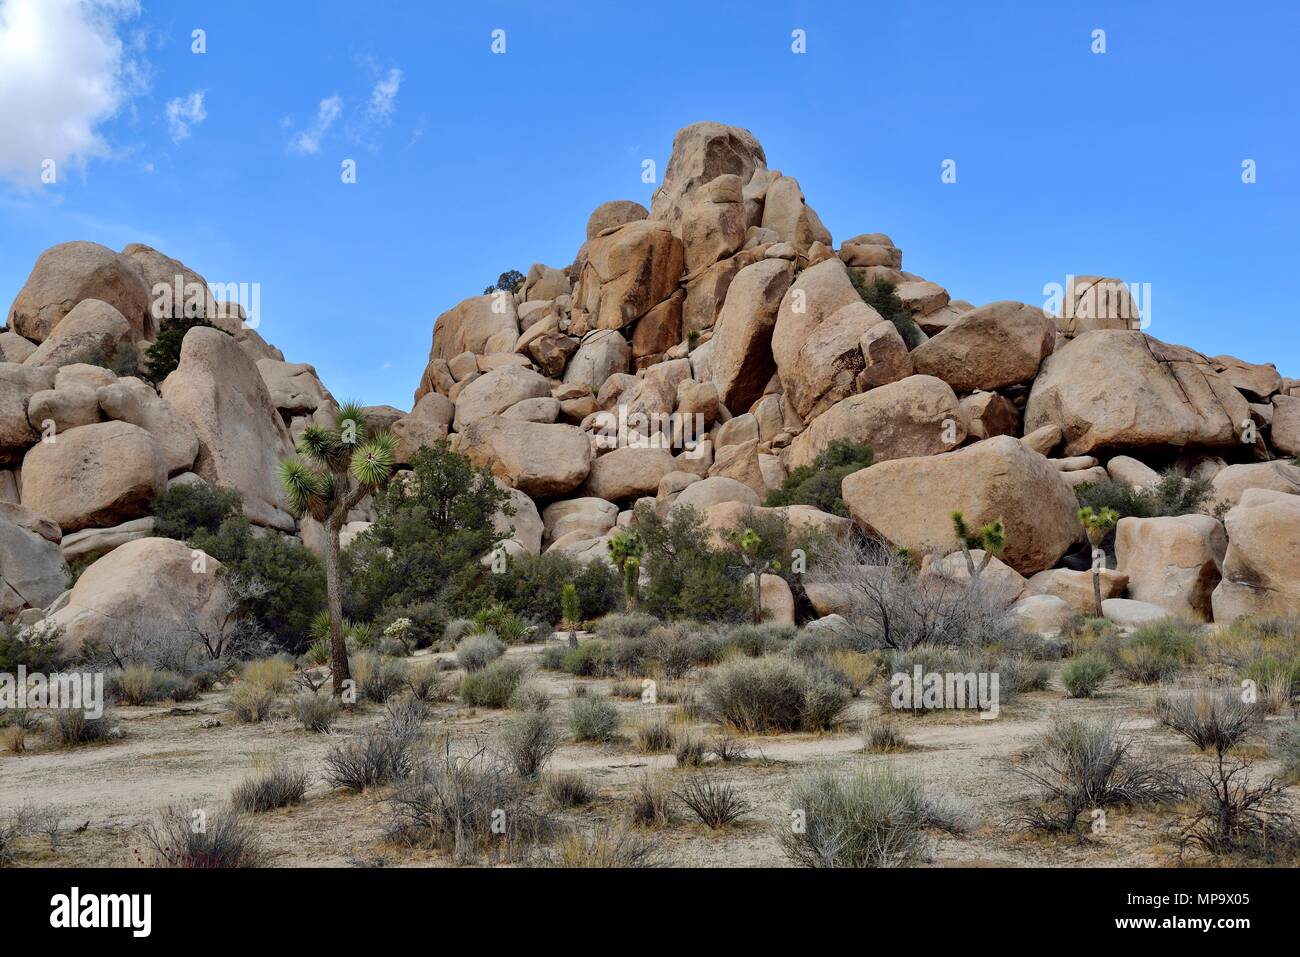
274, 785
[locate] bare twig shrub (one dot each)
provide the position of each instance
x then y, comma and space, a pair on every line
528, 740
568, 789
277, 784
226, 840
606, 847
1219, 720
1233, 816
713, 801
1083, 765
651, 802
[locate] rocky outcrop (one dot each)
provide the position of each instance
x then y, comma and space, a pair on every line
1259, 568
66, 275
1173, 562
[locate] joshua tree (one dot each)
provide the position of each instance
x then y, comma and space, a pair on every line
1097, 524
569, 609
991, 537
625, 551
631, 579
338, 467
757, 562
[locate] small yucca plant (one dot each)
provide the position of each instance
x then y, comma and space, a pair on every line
335, 469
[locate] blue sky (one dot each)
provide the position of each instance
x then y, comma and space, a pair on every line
1126, 163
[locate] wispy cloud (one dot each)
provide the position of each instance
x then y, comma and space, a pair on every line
184, 112
308, 141
383, 98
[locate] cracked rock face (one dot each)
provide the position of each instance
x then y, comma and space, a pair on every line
1112, 389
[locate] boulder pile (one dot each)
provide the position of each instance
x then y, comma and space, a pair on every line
694, 352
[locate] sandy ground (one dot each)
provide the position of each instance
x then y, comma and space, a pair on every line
166, 757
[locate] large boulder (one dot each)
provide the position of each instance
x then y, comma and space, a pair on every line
715, 490
57, 410
910, 501
804, 520
613, 214
816, 339
627, 273
32, 572
14, 348
787, 214
295, 387
483, 325
600, 354
917, 416
1075, 588
69, 273
991, 347
701, 153
1261, 570
91, 332
132, 400
629, 472
1114, 390
713, 227
218, 390
1230, 483
18, 384
1285, 430
591, 516
1172, 561
740, 362
525, 525
1042, 614
1097, 302
427, 423
493, 393
776, 599
542, 460
157, 580
94, 475
92, 543
1256, 381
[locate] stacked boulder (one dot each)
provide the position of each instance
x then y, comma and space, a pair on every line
693, 353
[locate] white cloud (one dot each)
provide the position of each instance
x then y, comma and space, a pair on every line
64, 71
184, 112
383, 98
308, 141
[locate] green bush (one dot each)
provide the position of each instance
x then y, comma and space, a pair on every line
493, 685
759, 695
1176, 493
532, 586
1082, 676
36, 648
881, 297
688, 576
593, 719
818, 484
478, 651
188, 507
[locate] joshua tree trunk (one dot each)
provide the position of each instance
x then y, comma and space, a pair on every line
1096, 588
758, 597
333, 601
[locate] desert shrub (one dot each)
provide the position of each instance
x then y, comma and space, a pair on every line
773, 694
530, 696
493, 685
676, 648
590, 659
1082, 634
728, 750
457, 629
651, 804
1147, 664
425, 682
276, 785
250, 703
857, 669
881, 736
625, 625
532, 586
766, 638
688, 577
690, 751
430, 530
1209, 719
273, 674
162, 358
382, 678
72, 726
568, 789
1275, 680
425, 623
1082, 676
712, 800
528, 741
316, 712
882, 297
593, 719
25, 821
190, 507
454, 805
141, 684
655, 736
1232, 815
605, 847
890, 604
36, 648
228, 840
376, 758
478, 651
500, 621
1083, 765
862, 817
318, 652
281, 584
818, 483
1176, 493
1286, 748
